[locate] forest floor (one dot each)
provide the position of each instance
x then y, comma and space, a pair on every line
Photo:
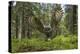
36, 44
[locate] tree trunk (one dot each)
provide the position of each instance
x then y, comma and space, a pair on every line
20, 28
17, 26
23, 24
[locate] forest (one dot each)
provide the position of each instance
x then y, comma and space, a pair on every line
43, 26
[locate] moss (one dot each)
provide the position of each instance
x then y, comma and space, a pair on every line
37, 44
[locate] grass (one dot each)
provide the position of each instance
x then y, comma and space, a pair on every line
36, 44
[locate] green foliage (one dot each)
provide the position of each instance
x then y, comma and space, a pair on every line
37, 44
30, 19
